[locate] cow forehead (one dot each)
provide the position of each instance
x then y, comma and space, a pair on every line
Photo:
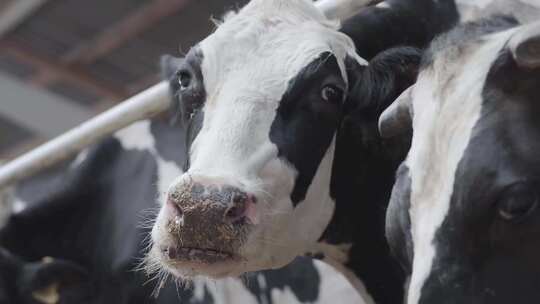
447, 101
264, 51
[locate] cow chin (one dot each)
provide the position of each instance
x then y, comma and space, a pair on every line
199, 264
197, 249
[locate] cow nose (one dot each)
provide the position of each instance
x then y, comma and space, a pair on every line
225, 203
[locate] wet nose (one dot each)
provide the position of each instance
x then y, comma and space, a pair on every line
224, 203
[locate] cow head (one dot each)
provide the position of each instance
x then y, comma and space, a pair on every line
464, 217
262, 100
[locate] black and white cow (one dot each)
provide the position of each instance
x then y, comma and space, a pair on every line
464, 215
263, 98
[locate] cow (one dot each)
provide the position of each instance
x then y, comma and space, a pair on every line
263, 99
84, 216
463, 216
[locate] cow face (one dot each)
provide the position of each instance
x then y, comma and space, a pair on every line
465, 212
262, 99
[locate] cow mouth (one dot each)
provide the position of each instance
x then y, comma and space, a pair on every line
199, 255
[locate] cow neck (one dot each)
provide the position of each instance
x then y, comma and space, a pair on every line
355, 242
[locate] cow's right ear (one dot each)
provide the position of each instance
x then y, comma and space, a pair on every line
169, 66
50, 280
397, 118
525, 46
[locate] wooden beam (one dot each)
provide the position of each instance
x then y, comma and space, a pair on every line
50, 70
143, 83
21, 148
38, 110
15, 12
129, 27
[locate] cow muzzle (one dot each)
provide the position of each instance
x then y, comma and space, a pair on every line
208, 221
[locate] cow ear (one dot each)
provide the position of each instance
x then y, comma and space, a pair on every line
397, 118
169, 65
525, 46
44, 281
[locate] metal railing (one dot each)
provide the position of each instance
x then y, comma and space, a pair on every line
141, 106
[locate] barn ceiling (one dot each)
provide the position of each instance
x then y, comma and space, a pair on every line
64, 61
87, 54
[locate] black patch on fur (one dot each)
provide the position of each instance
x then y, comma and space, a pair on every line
305, 124
406, 22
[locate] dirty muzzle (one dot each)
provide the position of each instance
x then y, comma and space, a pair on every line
209, 221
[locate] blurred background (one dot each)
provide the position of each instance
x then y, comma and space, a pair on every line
64, 61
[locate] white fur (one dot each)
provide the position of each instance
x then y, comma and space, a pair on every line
385, 5
534, 3
443, 121
337, 256
18, 205
81, 157
136, 137
336, 288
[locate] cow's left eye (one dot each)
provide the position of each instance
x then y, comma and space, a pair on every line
184, 79
519, 201
331, 93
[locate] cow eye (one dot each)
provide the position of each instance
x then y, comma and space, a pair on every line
517, 202
184, 79
332, 94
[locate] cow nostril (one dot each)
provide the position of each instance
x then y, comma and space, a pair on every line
236, 212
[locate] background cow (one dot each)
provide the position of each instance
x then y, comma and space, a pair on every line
463, 218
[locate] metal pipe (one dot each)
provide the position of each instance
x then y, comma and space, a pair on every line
141, 106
